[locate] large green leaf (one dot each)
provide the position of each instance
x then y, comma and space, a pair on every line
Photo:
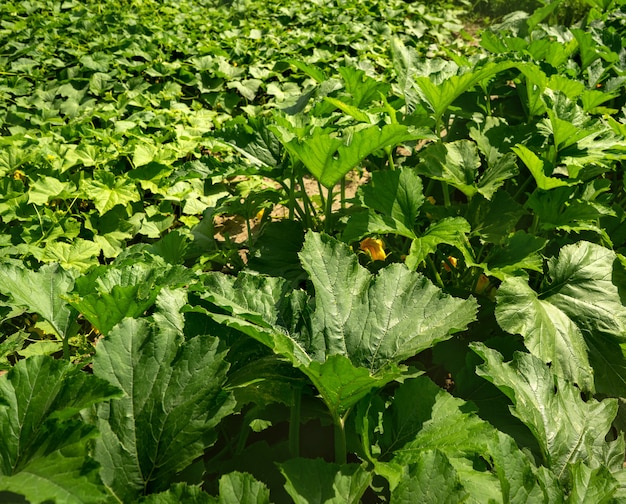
405, 65
80, 254
242, 488
536, 167
41, 292
254, 141
567, 428
440, 97
457, 163
577, 310
393, 199
451, 230
107, 191
430, 479
315, 481
108, 294
180, 492
173, 399
354, 333
421, 420
397, 194
378, 320
592, 485
234, 488
362, 88
517, 251
44, 454
330, 158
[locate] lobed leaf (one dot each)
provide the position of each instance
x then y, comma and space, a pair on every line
352, 336
567, 428
41, 292
317, 481
577, 312
431, 479
45, 453
330, 158
173, 399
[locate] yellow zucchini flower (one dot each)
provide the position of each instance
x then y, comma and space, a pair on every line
374, 247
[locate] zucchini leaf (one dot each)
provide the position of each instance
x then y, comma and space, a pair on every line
235, 487
393, 200
330, 158
44, 454
568, 429
431, 479
41, 292
576, 313
458, 163
173, 399
315, 480
422, 425
353, 334
107, 294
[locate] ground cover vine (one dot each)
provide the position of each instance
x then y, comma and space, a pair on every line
332, 251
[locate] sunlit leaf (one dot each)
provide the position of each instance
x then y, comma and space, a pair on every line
578, 303
330, 158
567, 428
173, 400
45, 453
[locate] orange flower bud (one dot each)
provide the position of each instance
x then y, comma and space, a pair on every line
483, 284
374, 247
452, 261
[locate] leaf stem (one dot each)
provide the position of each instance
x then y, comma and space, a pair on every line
522, 187
389, 152
294, 423
446, 194
433, 268
329, 211
292, 192
341, 451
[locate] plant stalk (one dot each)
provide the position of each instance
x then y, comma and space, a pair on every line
446, 194
294, 423
436, 274
341, 451
329, 211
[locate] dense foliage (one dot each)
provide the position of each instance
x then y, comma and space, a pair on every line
328, 251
